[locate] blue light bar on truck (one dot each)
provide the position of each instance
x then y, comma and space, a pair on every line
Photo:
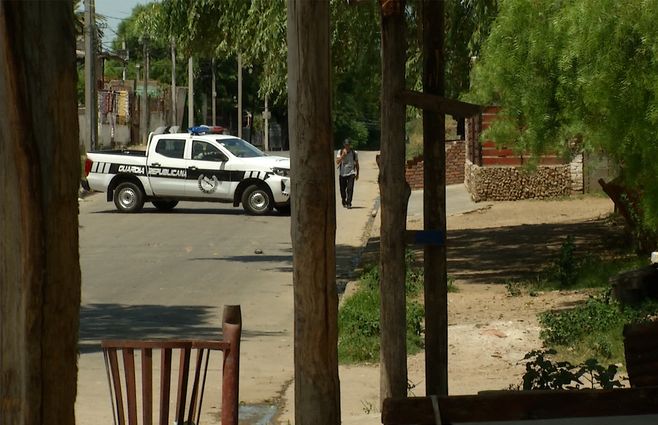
205, 129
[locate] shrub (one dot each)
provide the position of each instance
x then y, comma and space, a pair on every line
545, 374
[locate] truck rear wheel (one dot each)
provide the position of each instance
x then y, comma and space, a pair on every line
165, 205
128, 197
256, 200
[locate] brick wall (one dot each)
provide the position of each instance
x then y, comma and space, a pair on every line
497, 173
455, 157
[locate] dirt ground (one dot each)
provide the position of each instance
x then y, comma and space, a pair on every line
490, 331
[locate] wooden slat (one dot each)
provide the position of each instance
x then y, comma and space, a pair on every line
131, 389
157, 344
497, 152
195, 385
165, 385
116, 379
429, 102
501, 161
147, 386
641, 351
183, 376
522, 405
203, 386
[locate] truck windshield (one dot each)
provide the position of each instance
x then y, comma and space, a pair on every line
240, 148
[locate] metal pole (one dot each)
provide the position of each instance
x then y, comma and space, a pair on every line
147, 76
144, 113
91, 106
214, 93
174, 105
123, 72
266, 117
240, 96
190, 92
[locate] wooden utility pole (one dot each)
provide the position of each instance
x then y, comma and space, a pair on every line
317, 392
393, 353
39, 263
434, 205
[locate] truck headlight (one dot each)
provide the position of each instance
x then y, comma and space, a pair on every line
283, 172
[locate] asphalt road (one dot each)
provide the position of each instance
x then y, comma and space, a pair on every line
167, 275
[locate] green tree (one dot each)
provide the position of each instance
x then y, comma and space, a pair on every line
577, 74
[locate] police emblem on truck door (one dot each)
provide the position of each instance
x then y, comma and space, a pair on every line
208, 184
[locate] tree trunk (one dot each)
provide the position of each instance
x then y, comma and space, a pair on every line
393, 352
39, 178
434, 205
317, 394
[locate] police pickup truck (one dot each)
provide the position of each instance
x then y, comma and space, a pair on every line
194, 166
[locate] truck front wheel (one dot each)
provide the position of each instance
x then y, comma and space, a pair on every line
128, 197
256, 200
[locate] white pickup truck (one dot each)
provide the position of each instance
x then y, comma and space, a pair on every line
195, 167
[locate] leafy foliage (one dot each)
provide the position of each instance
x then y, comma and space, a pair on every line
566, 263
359, 320
594, 327
256, 30
544, 374
577, 73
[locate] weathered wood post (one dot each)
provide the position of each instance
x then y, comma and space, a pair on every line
434, 205
394, 194
39, 180
317, 394
231, 332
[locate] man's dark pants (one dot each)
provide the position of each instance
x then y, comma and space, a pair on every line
346, 188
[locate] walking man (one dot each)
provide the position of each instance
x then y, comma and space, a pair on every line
348, 166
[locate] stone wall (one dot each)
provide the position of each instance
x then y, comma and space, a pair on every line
455, 157
576, 172
515, 183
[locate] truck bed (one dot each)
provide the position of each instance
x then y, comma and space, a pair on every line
122, 152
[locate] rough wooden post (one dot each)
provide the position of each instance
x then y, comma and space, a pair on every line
393, 352
39, 180
231, 332
317, 394
434, 205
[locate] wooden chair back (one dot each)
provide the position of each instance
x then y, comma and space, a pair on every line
641, 351
183, 371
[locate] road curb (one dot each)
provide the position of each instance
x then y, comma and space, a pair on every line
352, 282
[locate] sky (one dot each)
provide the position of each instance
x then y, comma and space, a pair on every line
115, 11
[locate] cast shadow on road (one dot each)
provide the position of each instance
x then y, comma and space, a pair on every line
347, 261
118, 321
503, 254
194, 211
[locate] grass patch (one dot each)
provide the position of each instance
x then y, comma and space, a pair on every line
359, 325
358, 319
593, 329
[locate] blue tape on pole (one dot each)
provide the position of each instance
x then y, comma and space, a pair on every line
429, 237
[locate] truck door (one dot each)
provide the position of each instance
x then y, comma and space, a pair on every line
167, 167
207, 176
